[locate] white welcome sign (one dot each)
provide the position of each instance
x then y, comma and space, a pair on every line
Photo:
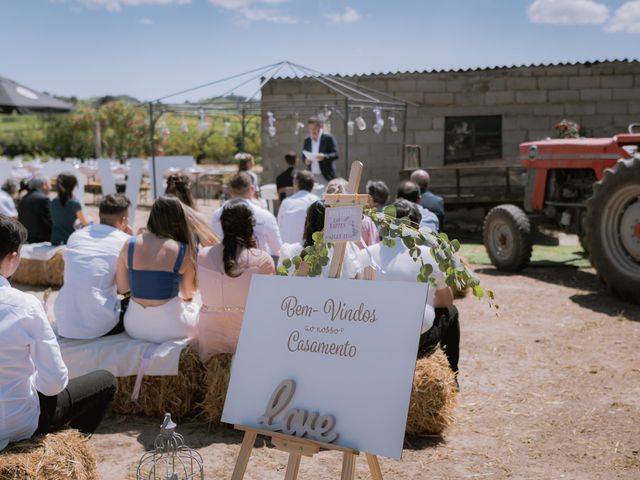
327, 359
343, 224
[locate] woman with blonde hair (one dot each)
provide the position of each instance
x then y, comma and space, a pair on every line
158, 267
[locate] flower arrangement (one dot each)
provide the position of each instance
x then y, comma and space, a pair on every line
567, 129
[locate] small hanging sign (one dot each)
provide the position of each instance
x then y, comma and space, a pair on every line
343, 224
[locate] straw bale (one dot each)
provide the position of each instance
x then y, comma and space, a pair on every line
433, 397
40, 273
216, 384
176, 394
64, 455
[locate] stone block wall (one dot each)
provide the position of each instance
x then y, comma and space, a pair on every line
604, 98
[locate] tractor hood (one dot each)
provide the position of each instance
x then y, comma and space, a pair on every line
560, 149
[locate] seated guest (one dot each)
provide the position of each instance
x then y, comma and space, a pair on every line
65, 210
246, 164
87, 305
34, 210
369, 231
378, 194
224, 275
8, 195
293, 210
180, 186
428, 200
315, 223
158, 268
440, 323
266, 230
36, 395
410, 191
284, 181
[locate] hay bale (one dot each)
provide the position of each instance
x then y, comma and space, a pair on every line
176, 394
433, 397
64, 455
216, 384
41, 273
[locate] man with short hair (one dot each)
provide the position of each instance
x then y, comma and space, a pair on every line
34, 210
293, 210
87, 305
428, 200
322, 152
266, 229
284, 181
36, 395
378, 194
440, 324
410, 191
8, 192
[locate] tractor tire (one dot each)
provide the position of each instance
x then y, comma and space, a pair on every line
613, 229
507, 237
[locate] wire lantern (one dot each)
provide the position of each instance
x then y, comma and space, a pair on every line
171, 459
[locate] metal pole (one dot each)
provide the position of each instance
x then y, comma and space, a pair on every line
244, 129
404, 136
152, 127
346, 136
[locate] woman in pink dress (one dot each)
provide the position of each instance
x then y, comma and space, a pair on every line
224, 275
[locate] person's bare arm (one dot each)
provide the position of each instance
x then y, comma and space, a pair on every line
81, 218
122, 276
188, 283
444, 298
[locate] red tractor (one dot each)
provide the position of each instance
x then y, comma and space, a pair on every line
587, 186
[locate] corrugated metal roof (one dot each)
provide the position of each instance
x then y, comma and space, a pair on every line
480, 69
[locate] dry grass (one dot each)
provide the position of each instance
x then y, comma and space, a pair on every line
40, 273
433, 397
64, 455
216, 384
177, 394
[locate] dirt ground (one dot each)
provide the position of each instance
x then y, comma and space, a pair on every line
550, 388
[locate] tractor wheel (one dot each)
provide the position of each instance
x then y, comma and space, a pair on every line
613, 228
507, 237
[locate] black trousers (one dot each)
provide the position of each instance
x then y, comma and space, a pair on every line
444, 332
81, 405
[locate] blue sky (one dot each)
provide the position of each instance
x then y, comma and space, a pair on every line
148, 48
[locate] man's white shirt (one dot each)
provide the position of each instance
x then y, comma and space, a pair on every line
266, 230
396, 264
315, 150
7, 206
292, 215
30, 362
87, 305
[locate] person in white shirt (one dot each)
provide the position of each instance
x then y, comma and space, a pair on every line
440, 324
293, 210
266, 230
315, 223
87, 305
36, 395
7, 203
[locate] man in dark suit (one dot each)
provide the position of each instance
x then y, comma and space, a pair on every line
284, 181
34, 210
322, 152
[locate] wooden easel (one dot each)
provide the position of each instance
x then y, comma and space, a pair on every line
298, 447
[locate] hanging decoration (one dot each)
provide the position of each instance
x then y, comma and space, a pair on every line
202, 124
299, 125
271, 120
350, 127
325, 118
226, 124
392, 122
164, 130
360, 123
379, 122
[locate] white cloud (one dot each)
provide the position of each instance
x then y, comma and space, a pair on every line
116, 5
350, 15
145, 21
257, 15
237, 4
568, 12
626, 18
